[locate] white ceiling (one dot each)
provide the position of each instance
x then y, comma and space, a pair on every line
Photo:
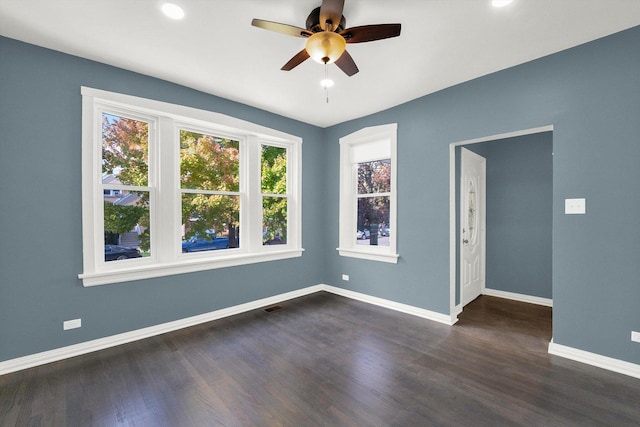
216, 50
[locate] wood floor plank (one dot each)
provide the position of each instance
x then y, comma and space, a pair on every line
327, 360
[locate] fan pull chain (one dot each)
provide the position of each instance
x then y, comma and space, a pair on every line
326, 80
326, 83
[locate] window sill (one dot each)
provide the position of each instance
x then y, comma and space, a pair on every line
183, 266
381, 257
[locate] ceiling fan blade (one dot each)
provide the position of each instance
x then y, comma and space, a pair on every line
298, 59
331, 10
369, 33
347, 64
289, 30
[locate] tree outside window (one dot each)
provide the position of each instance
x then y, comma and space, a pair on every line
210, 186
125, 180
160, 181
274, 195
374, 187
368, 170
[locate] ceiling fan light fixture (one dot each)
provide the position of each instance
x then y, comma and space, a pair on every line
325, 47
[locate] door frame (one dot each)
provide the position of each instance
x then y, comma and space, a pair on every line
455, 309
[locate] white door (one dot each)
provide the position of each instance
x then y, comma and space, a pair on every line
472, 225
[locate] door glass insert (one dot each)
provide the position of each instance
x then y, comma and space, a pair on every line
472, 213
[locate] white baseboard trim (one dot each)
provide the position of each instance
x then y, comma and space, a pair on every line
57, 354
457, 309
518, 297
37, 359
45, 357
609, 363
392, 305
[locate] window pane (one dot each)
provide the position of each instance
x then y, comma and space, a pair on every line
210, 222
126, 225
125, 150
373, 221
208, 162
274, 170
374, 177
274, 220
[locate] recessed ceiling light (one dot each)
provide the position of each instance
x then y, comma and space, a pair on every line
500, 3
173, 11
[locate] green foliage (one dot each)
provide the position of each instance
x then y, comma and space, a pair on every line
274, 170
125, 153
274, 181
274, 218
120, 219
207, 163
210, 163
203, 212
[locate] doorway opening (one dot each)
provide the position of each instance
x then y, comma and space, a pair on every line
517, 260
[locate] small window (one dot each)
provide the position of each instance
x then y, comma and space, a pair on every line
373, 199
367, 194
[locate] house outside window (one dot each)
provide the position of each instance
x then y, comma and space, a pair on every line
368, 194
169, 189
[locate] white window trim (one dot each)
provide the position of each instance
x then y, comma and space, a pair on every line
347, 245
164, 121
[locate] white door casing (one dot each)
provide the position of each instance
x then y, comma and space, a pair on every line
472, 225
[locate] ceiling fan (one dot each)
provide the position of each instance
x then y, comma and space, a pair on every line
327, 37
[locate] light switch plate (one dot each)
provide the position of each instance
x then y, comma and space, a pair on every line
575, 206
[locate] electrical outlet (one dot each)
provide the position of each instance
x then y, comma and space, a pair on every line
71, 324
575, 206
635, 336
345, 277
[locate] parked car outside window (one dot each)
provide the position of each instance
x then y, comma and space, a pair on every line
363, 234
207, 242
117, 252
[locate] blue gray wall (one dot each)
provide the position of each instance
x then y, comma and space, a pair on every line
40, 211
591, 94
519, 213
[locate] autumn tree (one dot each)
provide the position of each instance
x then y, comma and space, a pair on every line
373, 178
210, 164
209, 182
125, 154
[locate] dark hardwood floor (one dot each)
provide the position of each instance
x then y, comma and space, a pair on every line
328, 360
